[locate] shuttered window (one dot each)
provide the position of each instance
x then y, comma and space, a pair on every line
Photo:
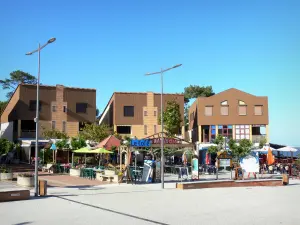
242, 110
208, 111
258, 110
224, 110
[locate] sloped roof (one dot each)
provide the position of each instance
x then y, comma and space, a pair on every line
109, 142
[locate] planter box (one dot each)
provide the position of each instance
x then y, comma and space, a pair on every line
109, 172
6, 176
75, 172
25, 181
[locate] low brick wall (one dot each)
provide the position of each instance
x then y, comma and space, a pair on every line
228, 183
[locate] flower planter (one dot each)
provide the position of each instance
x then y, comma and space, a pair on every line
25, 181
75, 172
6, 176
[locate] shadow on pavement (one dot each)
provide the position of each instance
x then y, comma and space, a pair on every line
24, 223
113, 211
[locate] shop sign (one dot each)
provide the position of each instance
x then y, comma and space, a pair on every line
170, 141
140, 143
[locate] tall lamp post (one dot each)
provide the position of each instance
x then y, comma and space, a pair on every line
162, 122
51, 40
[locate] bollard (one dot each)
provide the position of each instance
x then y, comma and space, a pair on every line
42, 187
285, 179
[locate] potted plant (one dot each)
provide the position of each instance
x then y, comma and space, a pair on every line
25, 179
5, 173
75, 171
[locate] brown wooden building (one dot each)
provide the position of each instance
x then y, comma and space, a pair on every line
61, 108
136, 114
231, 113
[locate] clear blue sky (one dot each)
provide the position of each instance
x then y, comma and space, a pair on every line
250, 45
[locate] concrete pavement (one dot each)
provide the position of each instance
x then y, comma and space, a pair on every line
148, 204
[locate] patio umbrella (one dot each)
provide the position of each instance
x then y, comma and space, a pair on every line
263, 149
84, 151
101, 151
288, 149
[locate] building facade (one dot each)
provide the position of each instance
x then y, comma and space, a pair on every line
137, 114
232, 114
61, 108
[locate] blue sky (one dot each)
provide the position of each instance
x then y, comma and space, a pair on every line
250, 45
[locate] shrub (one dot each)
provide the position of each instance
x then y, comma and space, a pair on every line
25, 175
4, 169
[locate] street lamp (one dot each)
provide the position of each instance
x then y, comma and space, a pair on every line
51, 40
162, 122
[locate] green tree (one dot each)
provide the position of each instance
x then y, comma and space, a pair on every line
262, 142
95, 132
15, 78
195, 91
6, 146
2, 106
54, 134
77, 143
62, 144
240, 150
192, 92
172, 118
219, 141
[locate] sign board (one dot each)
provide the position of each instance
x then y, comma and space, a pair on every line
225, 163
148, 171
140, 143
170, 141
250, 163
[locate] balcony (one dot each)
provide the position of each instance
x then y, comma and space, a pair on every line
258, 138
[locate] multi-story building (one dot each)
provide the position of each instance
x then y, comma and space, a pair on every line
231, 113
61, 108
136, 114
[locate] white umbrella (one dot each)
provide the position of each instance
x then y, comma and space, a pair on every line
287, 149
264, 149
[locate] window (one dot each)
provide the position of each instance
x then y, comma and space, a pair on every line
145, 129
242, 132
242, 110
81, 107
129, 111
154, 113
213, 132
225, 130
64, 126
258, 110
224, 110
65, 109
53, 125
124, 129
224, 103
145, 113
208, 111
155, 131
32, 105
53, 108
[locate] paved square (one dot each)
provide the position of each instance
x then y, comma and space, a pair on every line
147, 204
